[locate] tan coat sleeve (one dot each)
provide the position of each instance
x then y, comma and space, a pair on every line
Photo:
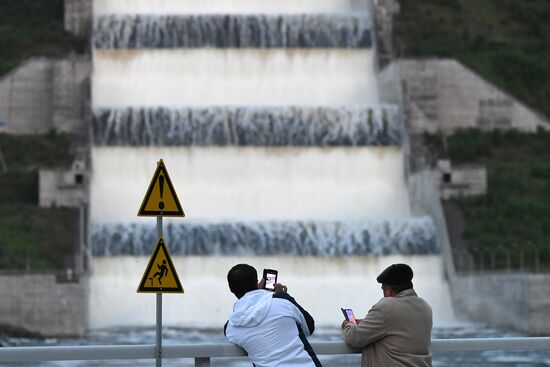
372, 328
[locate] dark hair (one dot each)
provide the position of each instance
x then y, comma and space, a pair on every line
242, 278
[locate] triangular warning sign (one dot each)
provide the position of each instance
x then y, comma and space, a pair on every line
160, 275
161, 198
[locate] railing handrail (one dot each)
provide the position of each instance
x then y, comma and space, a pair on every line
109, 352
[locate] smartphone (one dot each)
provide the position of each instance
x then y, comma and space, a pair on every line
270, 277
348, 314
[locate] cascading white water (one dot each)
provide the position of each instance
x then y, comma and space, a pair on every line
232, 31
321, 284
148, 7
311, 201
206, 77
255, 183
341, 195
248, 126
409, 236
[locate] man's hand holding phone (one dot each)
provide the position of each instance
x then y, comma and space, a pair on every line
349, 317
278, 287
269, 279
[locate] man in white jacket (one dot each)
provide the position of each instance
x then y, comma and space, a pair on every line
270, 326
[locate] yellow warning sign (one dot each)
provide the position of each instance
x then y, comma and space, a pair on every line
161, 198
160, 275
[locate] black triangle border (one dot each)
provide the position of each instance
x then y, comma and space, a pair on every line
160, 213
142, 289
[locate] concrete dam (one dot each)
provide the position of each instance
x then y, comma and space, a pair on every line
269, 118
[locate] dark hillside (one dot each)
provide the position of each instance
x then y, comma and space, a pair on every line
505, 41
33, 238
33, 28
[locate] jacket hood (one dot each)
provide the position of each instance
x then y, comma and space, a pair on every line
251, 309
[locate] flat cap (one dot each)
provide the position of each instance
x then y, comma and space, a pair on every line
396, 274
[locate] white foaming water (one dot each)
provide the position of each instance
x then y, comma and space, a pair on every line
255, 183
320, 284
207, 77
149, 7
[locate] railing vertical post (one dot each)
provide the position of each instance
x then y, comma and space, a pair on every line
522, 260
158, 349
471, 264
202, 362
481, 261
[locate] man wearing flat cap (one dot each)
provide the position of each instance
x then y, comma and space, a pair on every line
397, 330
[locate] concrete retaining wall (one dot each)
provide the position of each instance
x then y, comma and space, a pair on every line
60, 187
424, 198
78, 17
71, 95
39, 304
44, 94
461, 181
516, 301
384, 10
442, 95
26, 98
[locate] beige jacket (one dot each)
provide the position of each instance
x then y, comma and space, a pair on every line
396, 332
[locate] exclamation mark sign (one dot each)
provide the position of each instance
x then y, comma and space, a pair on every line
161, 187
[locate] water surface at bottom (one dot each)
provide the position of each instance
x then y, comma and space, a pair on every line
127, 336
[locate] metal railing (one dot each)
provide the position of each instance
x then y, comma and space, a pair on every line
525, 259
202, 353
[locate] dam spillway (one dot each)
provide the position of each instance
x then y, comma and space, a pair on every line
280, 149
232, 77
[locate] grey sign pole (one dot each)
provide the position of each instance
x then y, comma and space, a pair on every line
158, 349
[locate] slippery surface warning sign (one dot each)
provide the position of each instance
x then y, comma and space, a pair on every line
161, 198
160, 275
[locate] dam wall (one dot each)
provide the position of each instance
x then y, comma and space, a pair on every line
509, 301
44, 304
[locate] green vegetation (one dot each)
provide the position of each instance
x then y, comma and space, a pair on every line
514, 215
37, 239
24, 152
33, 28
19, 187
33, 238
505, 41
23, 155
508, 43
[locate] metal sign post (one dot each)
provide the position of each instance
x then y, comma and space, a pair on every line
158, 349
160, 200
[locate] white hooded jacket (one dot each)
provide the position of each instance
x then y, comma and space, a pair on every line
272, 328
